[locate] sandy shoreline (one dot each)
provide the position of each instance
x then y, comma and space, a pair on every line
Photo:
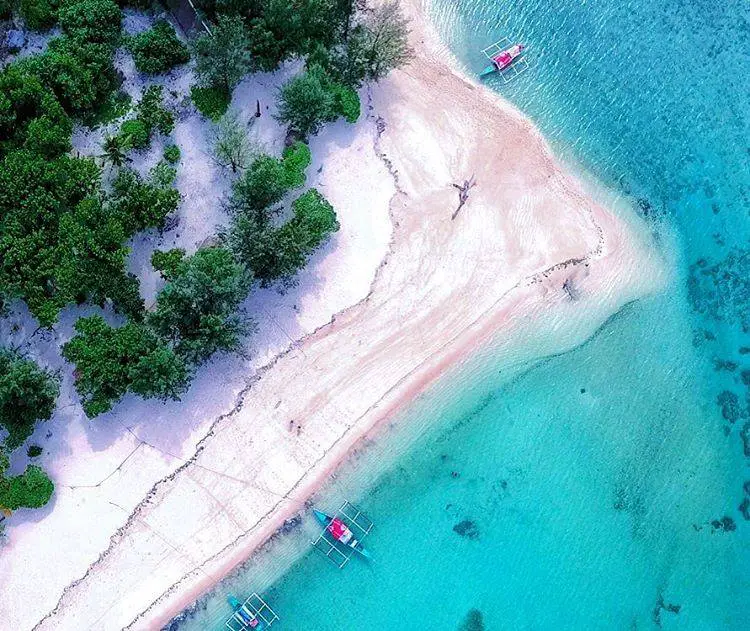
445, 289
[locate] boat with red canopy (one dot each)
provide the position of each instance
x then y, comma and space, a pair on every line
506, 59
342, 533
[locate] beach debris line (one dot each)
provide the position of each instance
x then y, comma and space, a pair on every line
506, 59
463, 194
342, 534
255, 613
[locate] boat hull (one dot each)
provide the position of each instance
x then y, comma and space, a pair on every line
325, 520
488, 71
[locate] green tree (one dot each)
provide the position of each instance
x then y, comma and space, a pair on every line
223, 58
168, 263
39, 15
313, 222
379, 45
114, 151
158, 49
197, 309
141, 204
112, 361
152, 113
27, 395
260, 186
91, 21
305, 103
31, 489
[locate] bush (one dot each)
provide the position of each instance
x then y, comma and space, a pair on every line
211, 102
313, 222
27, 394
346, 102
112, 361
168, 263
158, 49
39, 15
152, 113
197, 309
31, 489
135, 134
172, 154
263, 184
296, 158
34, 451
91, 21
141, 204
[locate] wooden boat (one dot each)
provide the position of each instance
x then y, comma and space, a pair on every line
503, 59
254, 614
340, 532
506, 59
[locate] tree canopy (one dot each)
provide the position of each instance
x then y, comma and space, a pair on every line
27, 395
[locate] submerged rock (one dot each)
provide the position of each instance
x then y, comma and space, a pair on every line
729, 403
744, 508
724, 364
467, 529
725, 524
473, 621
660, 606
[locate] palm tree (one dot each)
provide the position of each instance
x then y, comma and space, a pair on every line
114, 150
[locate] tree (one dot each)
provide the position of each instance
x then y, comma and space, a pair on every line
378, 45
230, 144
31, 489
305, 103
223, 58
91, 21
168, 263
112, 361
197, 309
263, 184
158, 49
114, 151
313, 222
140, 204
27, 394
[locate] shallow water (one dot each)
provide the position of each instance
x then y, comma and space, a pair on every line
579, 493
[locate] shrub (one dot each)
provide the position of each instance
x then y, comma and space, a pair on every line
135, 134
152, 113
27, 395
263, 184
346, 102
91, 21
197, 309
31, 489
112, 361
296, 158
172, 154
168, 263
211, 102
313, 222
34, 451
222, 59
158, 49
39, 15
142, 204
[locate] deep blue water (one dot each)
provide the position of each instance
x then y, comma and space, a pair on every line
598, 489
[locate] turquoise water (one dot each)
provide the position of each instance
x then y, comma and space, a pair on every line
597, 489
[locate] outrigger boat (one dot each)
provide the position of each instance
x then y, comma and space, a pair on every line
342, 534
254, 614
506, 59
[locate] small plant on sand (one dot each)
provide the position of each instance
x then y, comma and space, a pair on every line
231, 147
158, 49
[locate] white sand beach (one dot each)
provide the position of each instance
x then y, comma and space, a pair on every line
166, 519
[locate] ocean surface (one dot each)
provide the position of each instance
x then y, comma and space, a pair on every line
601, 488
